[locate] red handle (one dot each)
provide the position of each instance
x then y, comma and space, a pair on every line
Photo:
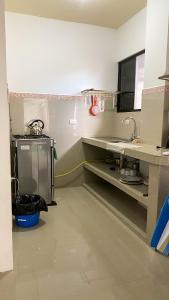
95, 100
94, 109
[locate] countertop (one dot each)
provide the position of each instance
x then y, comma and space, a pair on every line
145, 152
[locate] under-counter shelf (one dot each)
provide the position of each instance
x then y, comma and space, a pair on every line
123, 206
139, 192
157, 169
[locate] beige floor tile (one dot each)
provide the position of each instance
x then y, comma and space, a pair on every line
26, 287
147, 289
81, 251
97, 295
97, 289
54, 285
8, 285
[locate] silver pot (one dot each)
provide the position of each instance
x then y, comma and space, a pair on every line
128, 172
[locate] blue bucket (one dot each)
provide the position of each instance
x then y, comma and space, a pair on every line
27, 221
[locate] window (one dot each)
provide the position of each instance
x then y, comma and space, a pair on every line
130, 83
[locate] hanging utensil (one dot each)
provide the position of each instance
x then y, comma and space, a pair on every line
94, 109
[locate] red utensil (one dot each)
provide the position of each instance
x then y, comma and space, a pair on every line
94, 109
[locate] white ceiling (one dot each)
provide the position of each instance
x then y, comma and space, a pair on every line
108, 13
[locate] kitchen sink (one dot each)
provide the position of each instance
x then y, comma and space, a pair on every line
114, 140
114, 143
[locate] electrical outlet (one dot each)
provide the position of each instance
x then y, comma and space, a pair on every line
73, 122
127, 122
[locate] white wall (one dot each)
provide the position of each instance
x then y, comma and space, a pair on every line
155, 125
56, 115
156, 41
50, 56
6, 260
131, 36
57, 57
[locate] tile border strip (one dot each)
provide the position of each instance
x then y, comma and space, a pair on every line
153, 90
50, 96
156, 90
44, 96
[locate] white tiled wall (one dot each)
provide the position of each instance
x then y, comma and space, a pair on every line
56, 115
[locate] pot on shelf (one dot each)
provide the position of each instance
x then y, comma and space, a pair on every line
128, 172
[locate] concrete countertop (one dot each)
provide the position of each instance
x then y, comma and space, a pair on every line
148, 153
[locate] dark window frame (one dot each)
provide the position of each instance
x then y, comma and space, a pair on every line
119, 82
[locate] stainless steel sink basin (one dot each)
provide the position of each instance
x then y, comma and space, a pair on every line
113, 139
113, 143
118, 140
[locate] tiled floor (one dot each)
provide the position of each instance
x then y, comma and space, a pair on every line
81, 251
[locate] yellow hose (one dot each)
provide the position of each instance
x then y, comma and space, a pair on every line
74, 169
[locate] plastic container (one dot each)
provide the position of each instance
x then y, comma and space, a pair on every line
27, 221
28, 204
161, 223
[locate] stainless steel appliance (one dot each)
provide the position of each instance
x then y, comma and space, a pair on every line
33, 165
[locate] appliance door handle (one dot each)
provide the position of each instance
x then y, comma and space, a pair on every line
52, 173
52, 166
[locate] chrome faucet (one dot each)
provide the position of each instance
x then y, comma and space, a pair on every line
134, 134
